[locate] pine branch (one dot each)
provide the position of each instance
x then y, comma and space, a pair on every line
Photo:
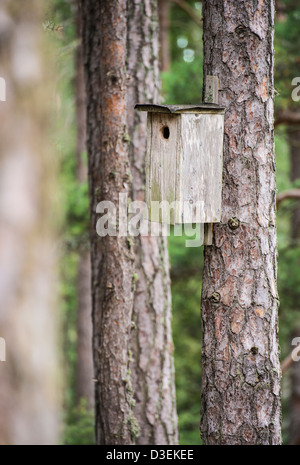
286, 195
189, 10
287, 117
286, 363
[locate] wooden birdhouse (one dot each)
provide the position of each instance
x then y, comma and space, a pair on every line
184, 162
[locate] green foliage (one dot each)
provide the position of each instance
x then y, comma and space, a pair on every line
79, 430
287, 56
288, 253
186, 269
186, 296
77, 209
183, 83
78, 425
185, 33
287, 59
283, 183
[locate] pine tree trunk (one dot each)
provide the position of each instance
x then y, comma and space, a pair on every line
135, 401
112, 257
29, 386
84, 373
240, 362
152, 365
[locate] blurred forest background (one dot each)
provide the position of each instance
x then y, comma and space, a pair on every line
181, 74
181, 63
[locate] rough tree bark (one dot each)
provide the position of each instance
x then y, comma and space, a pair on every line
151, 342
241, 371
135, 400
29, 387
104, 42
84, 373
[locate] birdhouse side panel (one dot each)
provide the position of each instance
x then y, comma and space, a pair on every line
161, 168
202, 160
148, 159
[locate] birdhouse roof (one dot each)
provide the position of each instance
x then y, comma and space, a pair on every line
200, 108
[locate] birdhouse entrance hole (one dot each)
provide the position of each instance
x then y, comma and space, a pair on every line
166, 132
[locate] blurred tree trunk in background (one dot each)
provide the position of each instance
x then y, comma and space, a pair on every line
29, 394
293, 132
164, 25
135, 395
240, 362
84, 374
294, 427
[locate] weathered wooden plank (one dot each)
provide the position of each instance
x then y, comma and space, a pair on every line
163, 162
208, 233
211, 89
148, 159
202, 147
211, 95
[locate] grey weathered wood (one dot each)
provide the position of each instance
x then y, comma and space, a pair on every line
208, 233
211, 89
211, 95
201, 167
185, 167
199, 108
162, 165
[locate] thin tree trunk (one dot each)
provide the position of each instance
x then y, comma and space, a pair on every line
164, 26
240, 362
105, 29
294, 428
135, 400
84, 387
151, 343
29, 387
